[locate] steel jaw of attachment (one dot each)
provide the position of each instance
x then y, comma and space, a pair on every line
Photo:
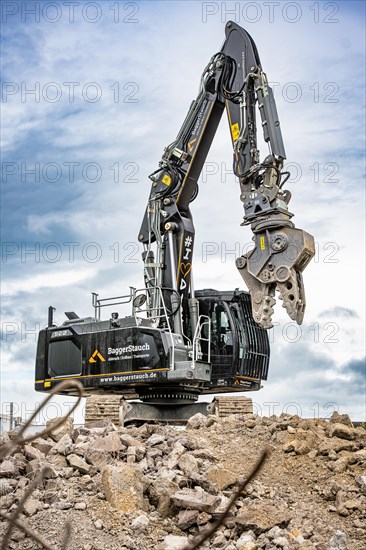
277, 261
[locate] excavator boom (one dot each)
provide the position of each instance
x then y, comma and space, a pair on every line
233, 81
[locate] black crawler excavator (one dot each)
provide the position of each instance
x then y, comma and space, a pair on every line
178, 342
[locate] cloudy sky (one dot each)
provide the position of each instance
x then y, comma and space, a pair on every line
91, 94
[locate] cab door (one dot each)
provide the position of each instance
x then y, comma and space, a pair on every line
224, 341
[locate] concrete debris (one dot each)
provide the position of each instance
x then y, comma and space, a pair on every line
155, 439
361, 481
341, 431
123, 487
42, 445
78, 463
65, 428
111, 443
32, 506
64, 446
221, 478
156, 487
197, 499
31, 453
263, 516
187, 518
159, 493
173, 542
338, 541
98, 524
337, 418
7, 468
197, 421
140, 524
80, 506
5, 487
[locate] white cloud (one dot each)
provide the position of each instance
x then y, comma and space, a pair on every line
59, 278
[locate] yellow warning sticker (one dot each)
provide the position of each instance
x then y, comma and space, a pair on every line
166, 179
235, 131
191, 144
46, 384
262, 243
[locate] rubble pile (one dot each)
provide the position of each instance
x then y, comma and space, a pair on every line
158, 487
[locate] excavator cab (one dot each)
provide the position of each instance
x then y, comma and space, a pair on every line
239, 347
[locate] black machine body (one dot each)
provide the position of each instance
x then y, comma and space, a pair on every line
136, 358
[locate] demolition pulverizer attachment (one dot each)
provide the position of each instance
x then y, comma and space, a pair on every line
276, 263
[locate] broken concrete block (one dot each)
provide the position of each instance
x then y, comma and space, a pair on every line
361, 481
32, 453
360, 456
173, 542
42, 445
160, 492
337, 418
123, 487
188, 463
187, 518
155, 439
98, 459
196, 499
64, 445
128, 440
8, 469
220, 478
111, 443
140, 524
341, 431
78, 463
58, 461
338, 541
177, 451
32, 506
197, 421
65, 428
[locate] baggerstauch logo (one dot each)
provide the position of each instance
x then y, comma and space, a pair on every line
128, 349
97, 354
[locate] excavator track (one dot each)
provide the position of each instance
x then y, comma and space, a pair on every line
225, 406
103, 407
109, 407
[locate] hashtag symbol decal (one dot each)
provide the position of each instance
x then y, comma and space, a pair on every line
188, 242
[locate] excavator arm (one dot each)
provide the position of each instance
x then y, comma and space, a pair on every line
233, 80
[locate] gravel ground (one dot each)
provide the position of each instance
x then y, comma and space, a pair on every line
155, 487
